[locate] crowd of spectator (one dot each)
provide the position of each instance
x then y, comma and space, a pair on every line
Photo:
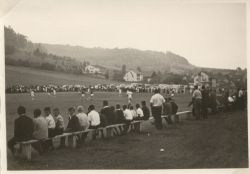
51, 123
100, 87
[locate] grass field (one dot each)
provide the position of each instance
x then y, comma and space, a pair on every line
28, 76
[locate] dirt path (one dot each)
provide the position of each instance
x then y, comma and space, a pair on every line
219, 142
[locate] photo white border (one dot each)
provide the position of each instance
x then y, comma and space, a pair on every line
3, 154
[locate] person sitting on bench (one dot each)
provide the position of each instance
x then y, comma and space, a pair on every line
23, 129
40, 131
59, 129
128, 117
51, 127
93, 117
139, 112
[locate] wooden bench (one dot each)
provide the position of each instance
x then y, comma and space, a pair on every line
104, 132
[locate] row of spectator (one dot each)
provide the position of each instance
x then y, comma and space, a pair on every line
52, 123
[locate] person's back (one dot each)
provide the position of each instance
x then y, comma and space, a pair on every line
174, 107
73, 124
108, 113
93, 117
128, 114
23, 128
40, 128
83, 120
119, 116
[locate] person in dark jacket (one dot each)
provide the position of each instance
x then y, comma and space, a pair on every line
73, 124
119, 115
204, 102
107, 112
23, 129
145, 109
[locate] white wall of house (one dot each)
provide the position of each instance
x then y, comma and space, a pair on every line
92, 69
132, 76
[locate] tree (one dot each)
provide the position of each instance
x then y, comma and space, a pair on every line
153, 74
139, 69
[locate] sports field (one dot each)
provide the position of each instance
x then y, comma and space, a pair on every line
218, 142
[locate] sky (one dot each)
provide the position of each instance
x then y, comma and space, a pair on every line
207, 34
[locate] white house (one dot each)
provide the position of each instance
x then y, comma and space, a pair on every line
92, 69
133, 76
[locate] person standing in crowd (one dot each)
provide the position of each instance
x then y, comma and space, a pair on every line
93, 117
23, 129
204, 102
119, 116
83, 118
51, 127
128, 117
59, 129
130, 96
174, 108
167, 110
145, 109
139, 112
40, 131
240, 98
226, 96
32, 94
156, 103
107, 112
213, 101
197, 97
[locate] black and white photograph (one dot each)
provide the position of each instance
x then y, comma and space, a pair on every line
124, 85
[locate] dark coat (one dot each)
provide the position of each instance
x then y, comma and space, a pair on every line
108, 113
146, 112
119, 116
73, 124
23, 129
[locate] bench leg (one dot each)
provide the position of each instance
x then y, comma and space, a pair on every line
26, 151
137, 127
90, 135
72, 141
109, 132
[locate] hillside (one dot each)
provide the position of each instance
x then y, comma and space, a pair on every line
132, 58
30, 76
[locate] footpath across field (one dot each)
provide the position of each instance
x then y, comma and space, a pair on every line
218, 142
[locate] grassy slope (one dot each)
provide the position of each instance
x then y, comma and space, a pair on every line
29, 76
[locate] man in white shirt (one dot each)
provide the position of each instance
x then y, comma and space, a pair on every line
93, 117
128, 117
83, 118
156, 103
139, 112
51, 126
129, 93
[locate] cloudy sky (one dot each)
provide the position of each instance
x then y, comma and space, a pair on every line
207, 34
